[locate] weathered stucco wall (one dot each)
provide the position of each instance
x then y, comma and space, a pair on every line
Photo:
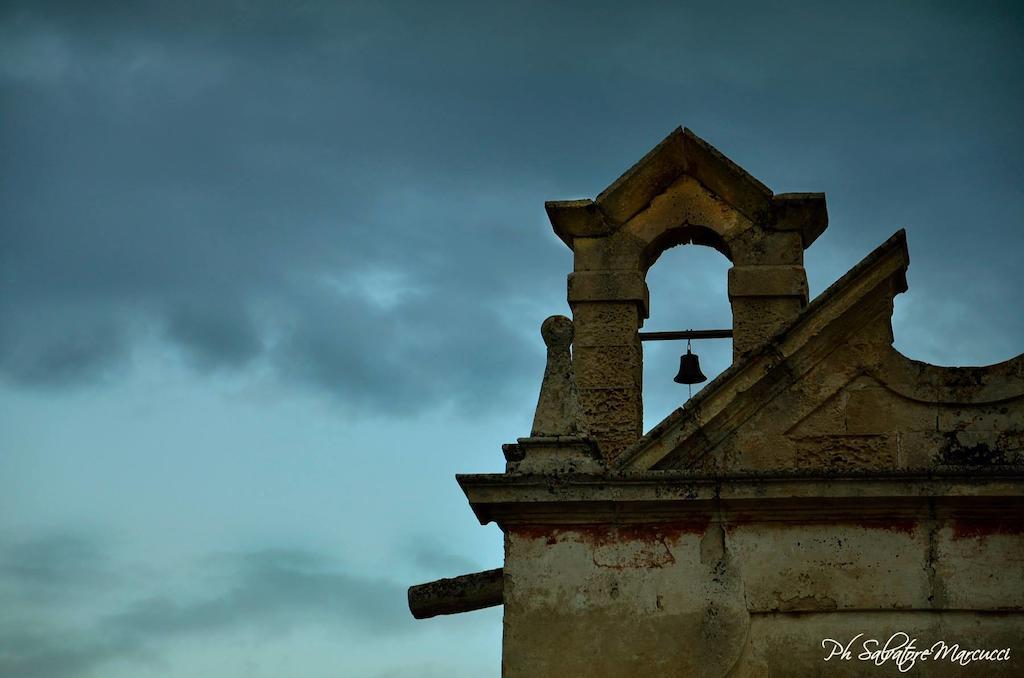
758, 598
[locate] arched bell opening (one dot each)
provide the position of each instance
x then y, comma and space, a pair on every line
688, 290
685, 234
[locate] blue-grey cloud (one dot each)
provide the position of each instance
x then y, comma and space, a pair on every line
276, 588
49, 652
51, 568
40, 579
271, 590
351, 194
432, 559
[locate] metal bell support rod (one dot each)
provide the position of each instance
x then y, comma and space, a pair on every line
685, 334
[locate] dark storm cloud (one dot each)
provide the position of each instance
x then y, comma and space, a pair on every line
276, 590
216, 334
352, 192
205, 188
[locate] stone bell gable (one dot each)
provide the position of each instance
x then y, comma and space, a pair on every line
824, 486
683, 191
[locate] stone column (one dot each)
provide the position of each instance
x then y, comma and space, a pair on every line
608, 308
764, 299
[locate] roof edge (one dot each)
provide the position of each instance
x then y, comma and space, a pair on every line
796, 496
681, 152
648, 177
577, 219
725, 178
803, 212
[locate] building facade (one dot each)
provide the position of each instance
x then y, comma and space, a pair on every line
821, 498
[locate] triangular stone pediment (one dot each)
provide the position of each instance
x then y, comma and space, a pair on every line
748, 417
683, 155
830, 393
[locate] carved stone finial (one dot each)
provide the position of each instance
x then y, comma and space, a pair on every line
556, 406
557, 332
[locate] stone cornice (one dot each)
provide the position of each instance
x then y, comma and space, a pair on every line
994, 492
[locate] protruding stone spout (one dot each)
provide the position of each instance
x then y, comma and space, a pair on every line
459, 594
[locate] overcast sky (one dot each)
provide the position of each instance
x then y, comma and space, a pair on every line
271, 273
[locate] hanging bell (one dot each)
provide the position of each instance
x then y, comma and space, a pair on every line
689, 369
